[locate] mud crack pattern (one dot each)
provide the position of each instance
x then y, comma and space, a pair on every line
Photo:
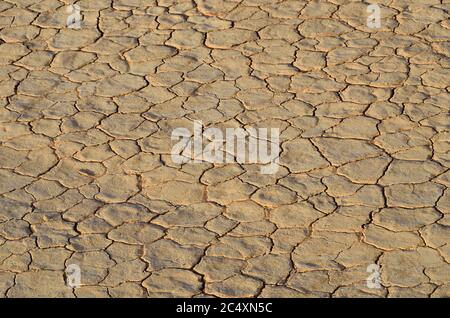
86, 176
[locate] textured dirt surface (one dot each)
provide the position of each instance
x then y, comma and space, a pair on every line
86, 175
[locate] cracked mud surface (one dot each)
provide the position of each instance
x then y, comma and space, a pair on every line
85, 170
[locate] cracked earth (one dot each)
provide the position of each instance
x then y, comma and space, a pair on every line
86, 175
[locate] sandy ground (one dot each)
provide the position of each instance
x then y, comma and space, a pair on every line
87, 177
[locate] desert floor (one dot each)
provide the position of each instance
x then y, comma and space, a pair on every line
87, 177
